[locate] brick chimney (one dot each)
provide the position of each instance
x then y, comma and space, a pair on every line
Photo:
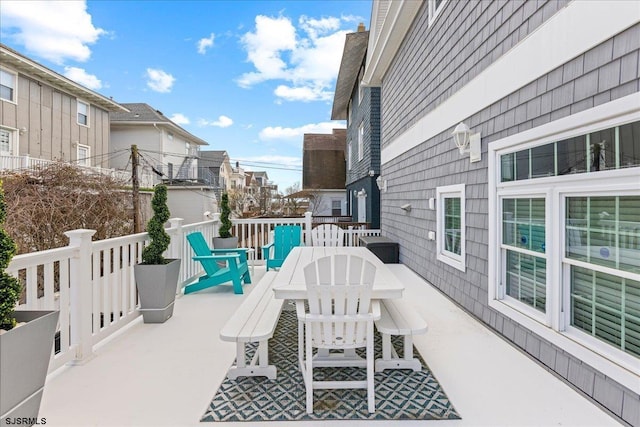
361, 27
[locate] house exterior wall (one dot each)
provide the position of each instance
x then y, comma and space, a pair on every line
48, 120
458, 47
190, 203
365, 111
149, 141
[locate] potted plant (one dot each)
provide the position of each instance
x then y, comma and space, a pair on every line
157, 277
26, 341
226, 240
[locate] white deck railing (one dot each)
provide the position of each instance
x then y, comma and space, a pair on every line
92, 284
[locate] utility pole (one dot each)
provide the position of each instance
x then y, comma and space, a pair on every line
136, 189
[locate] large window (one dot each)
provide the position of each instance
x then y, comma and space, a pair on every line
8, 83
451, 225
564, 235
83, 113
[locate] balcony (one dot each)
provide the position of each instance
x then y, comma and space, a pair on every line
127, 373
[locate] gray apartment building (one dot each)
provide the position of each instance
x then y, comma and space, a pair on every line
512, 129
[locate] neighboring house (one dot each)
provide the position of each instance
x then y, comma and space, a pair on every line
359, 105
164, 147
211, 165
539, 238
323, 172
44, 117
237, 180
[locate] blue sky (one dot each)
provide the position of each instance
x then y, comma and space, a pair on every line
249, 77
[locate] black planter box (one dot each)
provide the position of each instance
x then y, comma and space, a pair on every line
387, 250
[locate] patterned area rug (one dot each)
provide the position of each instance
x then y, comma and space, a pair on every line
400, 394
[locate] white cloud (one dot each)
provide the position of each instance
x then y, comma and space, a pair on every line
307, 58
79, 75
279, 133
205, 43
222, 122
159, 81
180, 119
55, 30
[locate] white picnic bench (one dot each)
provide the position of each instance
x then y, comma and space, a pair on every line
254, 321
398, 317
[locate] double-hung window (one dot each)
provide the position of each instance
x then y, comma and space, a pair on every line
6, 142
8, 83
564, 235
83, 113
450, 221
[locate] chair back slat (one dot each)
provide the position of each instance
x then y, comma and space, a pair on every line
200, 248
285, 238
338, 291
327, 235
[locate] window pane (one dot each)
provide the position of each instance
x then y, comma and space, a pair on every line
630, 145
5, 141
522, 165
507, 162
604, 231
524, 223
452, 225
543, 161
602, 146
6, 93
526, 279
572, 155
606, 307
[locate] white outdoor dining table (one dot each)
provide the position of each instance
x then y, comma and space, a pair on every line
290, 284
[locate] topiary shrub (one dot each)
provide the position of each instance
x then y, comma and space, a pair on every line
225, 222
152, 254
10, 288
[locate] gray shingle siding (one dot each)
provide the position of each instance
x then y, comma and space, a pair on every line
434, 62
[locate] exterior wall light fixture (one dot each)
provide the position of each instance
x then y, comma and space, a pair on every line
467, 142
382, 183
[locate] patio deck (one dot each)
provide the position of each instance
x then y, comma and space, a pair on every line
165, 375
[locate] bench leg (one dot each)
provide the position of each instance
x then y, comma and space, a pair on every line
261, 369
391, 360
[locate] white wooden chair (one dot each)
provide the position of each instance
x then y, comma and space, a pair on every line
340, 316
327, 235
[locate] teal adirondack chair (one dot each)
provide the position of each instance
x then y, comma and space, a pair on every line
236, 269
285, 238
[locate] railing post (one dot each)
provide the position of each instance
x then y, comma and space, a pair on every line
216, 223
307, 227
176, 248
81, 283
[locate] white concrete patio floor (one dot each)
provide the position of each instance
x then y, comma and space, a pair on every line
166, 375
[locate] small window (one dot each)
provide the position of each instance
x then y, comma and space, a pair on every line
435, 7
361, 142
451, 226
336, 208
83, 113
6, 142
8, 86
169, 136
349, 156
83, 154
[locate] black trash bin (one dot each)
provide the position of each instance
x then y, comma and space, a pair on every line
387, 250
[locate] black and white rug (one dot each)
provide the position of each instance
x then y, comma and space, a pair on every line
400, 394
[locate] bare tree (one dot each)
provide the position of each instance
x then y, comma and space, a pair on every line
42, 204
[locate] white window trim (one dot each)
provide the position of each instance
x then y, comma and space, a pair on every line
15, 86
78, 102
361, 141
86, 161
613, 363
349, 152
433, 12
450, 258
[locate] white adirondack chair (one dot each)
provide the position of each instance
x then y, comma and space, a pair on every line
327, 235
340, 316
